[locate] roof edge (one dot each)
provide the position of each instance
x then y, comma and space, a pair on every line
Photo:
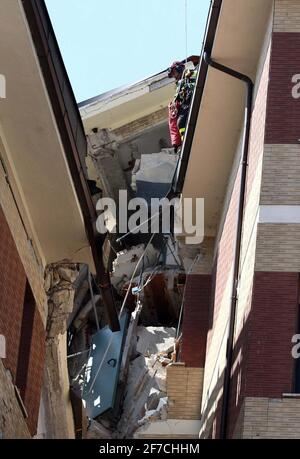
210, 33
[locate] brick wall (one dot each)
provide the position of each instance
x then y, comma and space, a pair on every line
278, 247
287, 16
12, 292
195, 320
12, 422
278, 243
281, 171
26, 367
223, 267
33, 268
184, 391
35, 372
270, 259
283, 114
136, 127
273, 322
263, 362
267, 418
263, 365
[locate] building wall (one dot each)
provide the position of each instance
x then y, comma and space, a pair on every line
32, 265
12, 422
274, 310
34, 379
269, 418
223, 266
184, 391
19, 268
272, 321
12, 292
195, 320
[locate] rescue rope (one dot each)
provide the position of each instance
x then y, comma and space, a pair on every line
186, 30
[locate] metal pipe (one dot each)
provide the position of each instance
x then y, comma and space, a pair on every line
93, 301
232, 319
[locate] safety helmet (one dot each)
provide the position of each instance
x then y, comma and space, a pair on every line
178, 66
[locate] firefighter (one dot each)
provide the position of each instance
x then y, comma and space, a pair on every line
179, 107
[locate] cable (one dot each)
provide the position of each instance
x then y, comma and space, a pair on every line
186, 30
112, 247
93, 300
173, 254
139, 226
77, 354
121, 311
156, 267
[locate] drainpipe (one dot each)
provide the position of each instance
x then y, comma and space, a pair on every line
242, 198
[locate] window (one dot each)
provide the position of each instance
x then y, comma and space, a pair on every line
25, 340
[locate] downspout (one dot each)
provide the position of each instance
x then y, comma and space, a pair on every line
241, 208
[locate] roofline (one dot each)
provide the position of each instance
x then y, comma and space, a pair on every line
120, 89
210, 33
72, 134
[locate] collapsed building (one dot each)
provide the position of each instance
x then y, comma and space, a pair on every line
235, 373
129, 150
144, 335
69, 330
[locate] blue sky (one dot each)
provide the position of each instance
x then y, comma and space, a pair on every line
106, 44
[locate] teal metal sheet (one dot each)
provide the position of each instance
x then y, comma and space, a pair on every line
102, 373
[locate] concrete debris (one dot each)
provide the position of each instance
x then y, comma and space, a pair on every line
81, 317
158, 414
145, 394
139, 385
130, 344
60, 284
104, 164
96, 431
154, 340
59, 280
125, 263
153, 174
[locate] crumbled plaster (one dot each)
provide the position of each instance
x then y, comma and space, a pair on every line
59, 285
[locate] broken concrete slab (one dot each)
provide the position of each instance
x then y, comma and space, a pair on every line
155, 174
145, 394
125, 264
160, 413
96, 431
155, 340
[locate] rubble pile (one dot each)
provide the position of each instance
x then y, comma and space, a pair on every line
125, 263
145, 395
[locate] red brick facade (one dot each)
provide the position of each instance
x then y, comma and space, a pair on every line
223, 266
273, 322
263, 364
21, 324
195, 320
35, 372
283, 113
224, 259
12, 291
